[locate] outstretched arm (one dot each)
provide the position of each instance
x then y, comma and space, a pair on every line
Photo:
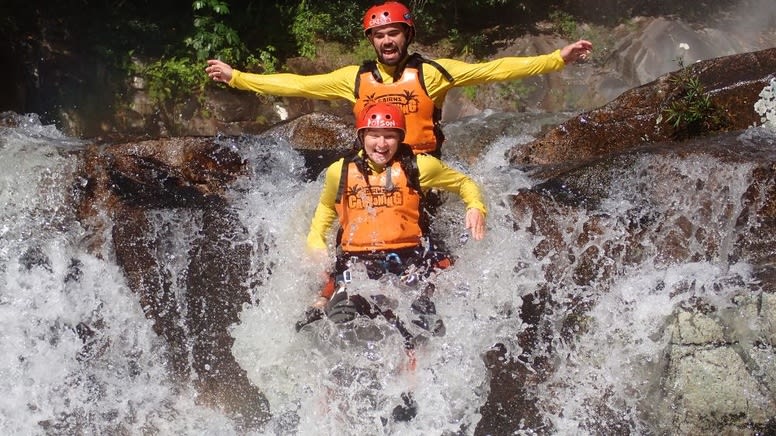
337, 84
578, 51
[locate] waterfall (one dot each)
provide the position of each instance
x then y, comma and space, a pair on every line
80, 357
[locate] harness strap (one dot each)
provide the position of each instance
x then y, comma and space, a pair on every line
437, 116
343, 179
367, 66
417, 61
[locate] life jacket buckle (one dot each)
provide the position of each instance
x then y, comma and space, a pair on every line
391, 259
347, 276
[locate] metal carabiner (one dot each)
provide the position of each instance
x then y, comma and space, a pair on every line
390, 258
393, 258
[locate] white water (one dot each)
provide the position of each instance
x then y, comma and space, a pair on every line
326, 380
49, 284
302, 373
766, 106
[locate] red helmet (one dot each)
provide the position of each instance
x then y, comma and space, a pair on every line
381, 116
387, 13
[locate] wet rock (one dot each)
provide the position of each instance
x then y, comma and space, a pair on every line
135, 245
468, 138
757, 240
587, 186
636, 118
126, 185
317, 131
219, 266
172, 172
321, 138
35, 257
512, 404
9, 119
714, 347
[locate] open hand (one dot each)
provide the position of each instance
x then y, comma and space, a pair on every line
578, 51
219, 71
475, 223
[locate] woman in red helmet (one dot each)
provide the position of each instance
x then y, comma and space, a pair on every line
416, 84
376, 194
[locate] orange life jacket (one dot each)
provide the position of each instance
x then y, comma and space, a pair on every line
408, 91
383, 214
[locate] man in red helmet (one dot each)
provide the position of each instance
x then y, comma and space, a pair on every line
415, 84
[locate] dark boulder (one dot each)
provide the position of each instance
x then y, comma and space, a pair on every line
124, 186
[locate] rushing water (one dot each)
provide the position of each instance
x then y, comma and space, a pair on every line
79, 357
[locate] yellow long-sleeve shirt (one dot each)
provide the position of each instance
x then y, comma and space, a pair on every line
433, 174
339, 83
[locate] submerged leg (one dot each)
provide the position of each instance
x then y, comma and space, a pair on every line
407, 410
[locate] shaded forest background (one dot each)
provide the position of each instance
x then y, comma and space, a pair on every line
57, 53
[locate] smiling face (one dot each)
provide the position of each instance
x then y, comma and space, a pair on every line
381, 145
390, 43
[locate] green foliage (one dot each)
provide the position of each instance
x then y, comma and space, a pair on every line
468, 45
266, 61
177, 77
342, 18
305, 27
338, 21
564, 23
690, 110
172, 79
212, 38
470, 92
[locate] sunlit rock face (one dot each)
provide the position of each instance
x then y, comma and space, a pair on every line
638, 116
618, 192
657, 207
